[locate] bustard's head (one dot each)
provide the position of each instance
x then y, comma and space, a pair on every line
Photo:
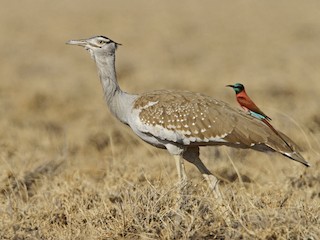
238, 87
98, 46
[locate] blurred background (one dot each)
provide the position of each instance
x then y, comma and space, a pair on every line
51, 101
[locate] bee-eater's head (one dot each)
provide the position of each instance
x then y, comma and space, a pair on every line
238, 87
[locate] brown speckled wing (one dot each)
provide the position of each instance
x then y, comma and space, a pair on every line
202, 120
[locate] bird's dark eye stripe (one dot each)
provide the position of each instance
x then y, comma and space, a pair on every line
104, 41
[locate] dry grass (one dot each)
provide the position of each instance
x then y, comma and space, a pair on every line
68, 170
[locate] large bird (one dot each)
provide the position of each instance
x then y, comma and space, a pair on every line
181, 121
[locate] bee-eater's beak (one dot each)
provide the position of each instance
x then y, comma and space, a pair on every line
230, 86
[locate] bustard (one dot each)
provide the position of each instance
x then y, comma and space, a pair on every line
182, 121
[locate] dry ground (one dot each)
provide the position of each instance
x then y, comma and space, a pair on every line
69, 170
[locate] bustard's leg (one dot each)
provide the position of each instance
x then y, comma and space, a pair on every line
192, 156
181, 170
177, 151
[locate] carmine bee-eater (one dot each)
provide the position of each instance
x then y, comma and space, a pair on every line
246, 103
249, 106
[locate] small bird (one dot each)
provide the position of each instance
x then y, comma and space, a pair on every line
181, 121
246, 103
250, 107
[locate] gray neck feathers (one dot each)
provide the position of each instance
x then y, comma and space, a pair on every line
117, 100
108, 77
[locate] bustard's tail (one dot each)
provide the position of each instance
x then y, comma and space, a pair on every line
293, 150
255, 134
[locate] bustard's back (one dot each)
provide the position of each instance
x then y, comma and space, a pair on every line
181, 121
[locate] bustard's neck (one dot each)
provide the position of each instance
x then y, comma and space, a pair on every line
108, 77
117, 100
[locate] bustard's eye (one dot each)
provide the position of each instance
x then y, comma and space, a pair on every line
101, 42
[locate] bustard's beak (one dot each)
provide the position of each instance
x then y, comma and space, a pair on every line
81, 42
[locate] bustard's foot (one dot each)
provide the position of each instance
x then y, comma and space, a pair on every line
182, 186
213, 184
222, 206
